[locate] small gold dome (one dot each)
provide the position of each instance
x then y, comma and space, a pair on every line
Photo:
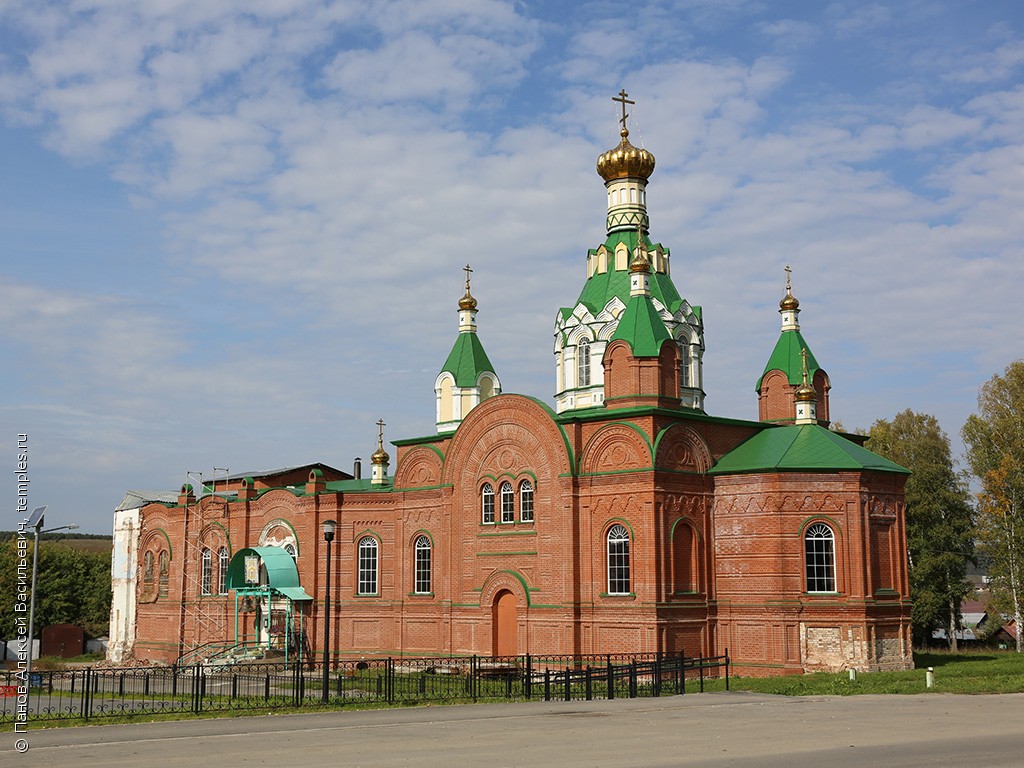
380, 456
467, 301
805, 393
625, 161
639, 263
788, 303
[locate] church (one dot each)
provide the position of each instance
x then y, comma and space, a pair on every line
619, 518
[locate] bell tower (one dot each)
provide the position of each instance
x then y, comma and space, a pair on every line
583, 331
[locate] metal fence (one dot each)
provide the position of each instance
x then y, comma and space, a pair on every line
142, 692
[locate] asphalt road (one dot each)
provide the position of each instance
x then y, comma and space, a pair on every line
715, 729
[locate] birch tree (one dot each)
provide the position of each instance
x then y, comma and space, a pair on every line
995, 452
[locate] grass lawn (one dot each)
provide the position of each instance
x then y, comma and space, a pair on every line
975, 672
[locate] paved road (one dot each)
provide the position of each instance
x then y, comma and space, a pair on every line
715, 729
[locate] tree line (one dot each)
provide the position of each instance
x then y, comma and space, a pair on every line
73, 588
947, 529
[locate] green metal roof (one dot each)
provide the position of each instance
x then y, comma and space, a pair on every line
467, 360
786, 358
601, 287
361, 485
641, 327
282, 575
805, 447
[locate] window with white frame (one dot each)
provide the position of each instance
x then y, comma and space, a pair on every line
583, 363
421, 584
820, 550
207, 574
367, 558
222, 571
526, 501
684, 364
508, 503
618, 560
487, 503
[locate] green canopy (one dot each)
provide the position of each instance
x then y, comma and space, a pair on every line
281, 574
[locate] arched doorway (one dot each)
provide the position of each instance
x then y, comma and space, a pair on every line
505, 624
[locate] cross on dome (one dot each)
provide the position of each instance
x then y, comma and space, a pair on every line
623, 99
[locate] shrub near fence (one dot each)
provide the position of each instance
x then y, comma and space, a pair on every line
143, 692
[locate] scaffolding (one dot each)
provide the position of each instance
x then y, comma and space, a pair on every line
202, 620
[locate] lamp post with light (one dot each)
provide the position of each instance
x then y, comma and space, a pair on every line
329, 527
35, 522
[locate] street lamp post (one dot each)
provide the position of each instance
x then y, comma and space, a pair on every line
329, 526
35, 522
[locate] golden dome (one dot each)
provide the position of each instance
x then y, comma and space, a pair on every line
789, 301
805, 393
380, 456
640, 262
625, 161
467, 301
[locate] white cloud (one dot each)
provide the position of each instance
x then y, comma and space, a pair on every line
324, 170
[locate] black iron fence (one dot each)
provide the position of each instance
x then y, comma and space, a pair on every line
96, 693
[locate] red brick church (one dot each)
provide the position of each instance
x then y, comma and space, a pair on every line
624, 518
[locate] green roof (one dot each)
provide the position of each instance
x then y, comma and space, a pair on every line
805, 447
641, 327
467, 360
786, 358
361, 485
282, 575
601, 287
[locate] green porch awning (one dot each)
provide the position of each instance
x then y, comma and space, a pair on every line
281, 574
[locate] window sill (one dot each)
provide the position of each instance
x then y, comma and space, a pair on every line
619, 595
420, 595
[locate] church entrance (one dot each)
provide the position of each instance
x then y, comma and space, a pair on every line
505, 624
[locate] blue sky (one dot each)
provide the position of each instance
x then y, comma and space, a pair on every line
233, 232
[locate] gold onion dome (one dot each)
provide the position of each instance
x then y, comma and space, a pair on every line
467, 301
639, 264
380, 456
625, 161
805, 393
789, 302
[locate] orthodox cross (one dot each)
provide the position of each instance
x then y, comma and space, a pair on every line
622, 98
788, 273
803, 355
380, 432
467, 270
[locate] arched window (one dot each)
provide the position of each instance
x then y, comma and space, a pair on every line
367, 566
618, 560
147, 574
487, 503
421, 584
290, 549
526, 501
820, 549
508, 503
684, 363
583, 364
207, 578
222, 571
165, 571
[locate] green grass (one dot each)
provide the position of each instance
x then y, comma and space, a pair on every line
969, 673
